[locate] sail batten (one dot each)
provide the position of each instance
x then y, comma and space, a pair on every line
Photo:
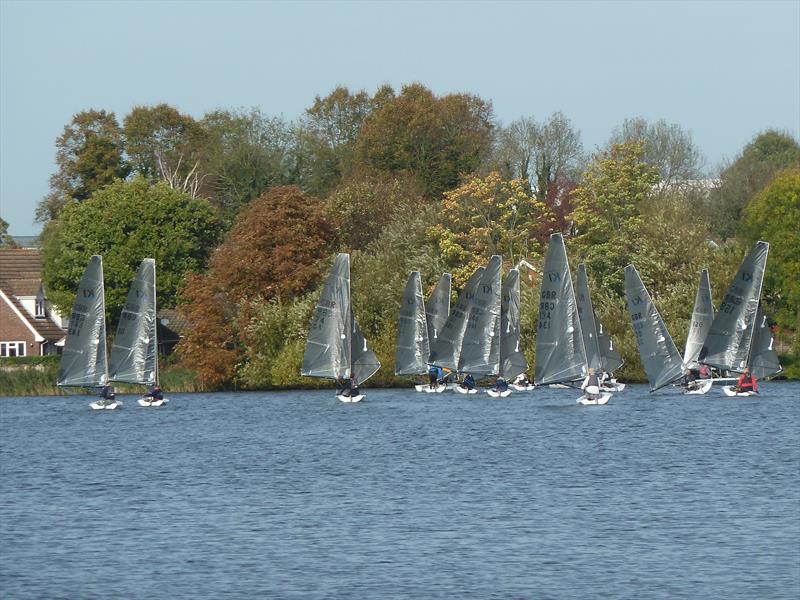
480, 349
560, 353
83, 360
135, 350
661, 360
413, 348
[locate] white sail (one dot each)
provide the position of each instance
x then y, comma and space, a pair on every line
134, 354
702, 317
411, 355
480, 349
83, 361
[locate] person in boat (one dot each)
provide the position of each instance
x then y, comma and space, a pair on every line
434, 373
155, 393
591, 385
444, 378
689, 380
107, 394
501, 385
746, 383
469, 382
703, 372
522, 380
350, 386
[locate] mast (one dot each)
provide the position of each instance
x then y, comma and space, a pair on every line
155, 327
103, 335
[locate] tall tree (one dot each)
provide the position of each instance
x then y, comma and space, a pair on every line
89, 156
438, 140
6, 241
747, 175
245, 154
667, 147
160, 142
126, 222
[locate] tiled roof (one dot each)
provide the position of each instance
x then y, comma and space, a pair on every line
22, 287
173, 320
18, 263
44, 326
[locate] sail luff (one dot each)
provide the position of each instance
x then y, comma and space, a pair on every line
727, 345
83, 360
660, 358
702, 317
480, 349
560, 353
446, 348
328, 346
512, 359
413, 348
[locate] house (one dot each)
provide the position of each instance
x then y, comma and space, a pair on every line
29, 326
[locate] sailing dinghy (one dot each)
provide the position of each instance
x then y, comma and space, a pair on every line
512, 361
660, 358
560, 352
446, 348
134, 354
336, 347
413, 348
600, 353
740, 336
84, 359
435, 313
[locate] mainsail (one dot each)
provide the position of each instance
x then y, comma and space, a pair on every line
446, 348
83, 361
588, 324
610, 359
134, 352
480, 350
661, 360
328, 351
763, 359
560, 354
364, 362
727, 345
512, 360
437, 308
412, 352
702, 317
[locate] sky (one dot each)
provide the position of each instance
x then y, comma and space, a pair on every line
723, 71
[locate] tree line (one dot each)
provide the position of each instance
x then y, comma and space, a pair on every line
244, 212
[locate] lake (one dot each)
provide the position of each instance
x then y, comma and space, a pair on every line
405, 495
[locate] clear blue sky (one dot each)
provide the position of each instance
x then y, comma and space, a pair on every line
722, 70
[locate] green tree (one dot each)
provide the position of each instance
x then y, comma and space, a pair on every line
436, 139
6, 241
89, 156
126, 222
159, 138
245, 154
747, 175
774, 216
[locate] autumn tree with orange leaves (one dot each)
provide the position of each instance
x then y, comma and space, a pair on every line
274, 250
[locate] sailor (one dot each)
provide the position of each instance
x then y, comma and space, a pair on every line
501, 385
433, 376
107, 392
469, 382
155, 393
689, 381
591, 385
747, 383
522, 380
703, 372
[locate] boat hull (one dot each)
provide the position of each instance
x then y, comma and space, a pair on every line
496, 394
350, 399
603, 399
729, 391
522, 388
100, 405
702, 388
155, 403
463, 390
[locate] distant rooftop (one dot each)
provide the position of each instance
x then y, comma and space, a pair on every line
27, 241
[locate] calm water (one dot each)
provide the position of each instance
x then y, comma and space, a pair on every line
294, 495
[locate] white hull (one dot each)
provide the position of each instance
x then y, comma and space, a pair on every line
612, 386
729, 391
522, 388
437, 390
100, 405
146, 402
603, 399
350, 399
463, 390
703, 386
496, 394
558, 386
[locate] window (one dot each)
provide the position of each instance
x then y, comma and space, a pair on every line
40, 313
12, 348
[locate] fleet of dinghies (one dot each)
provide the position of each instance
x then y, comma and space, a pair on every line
478, 337
134, 354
